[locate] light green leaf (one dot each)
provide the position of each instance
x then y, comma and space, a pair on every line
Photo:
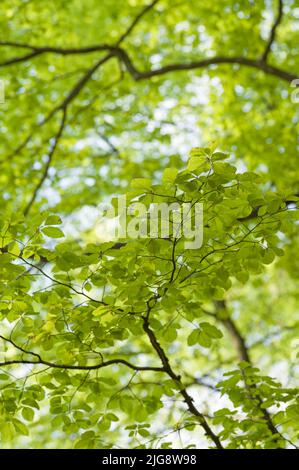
53, 232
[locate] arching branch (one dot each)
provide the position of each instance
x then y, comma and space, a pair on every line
40, 361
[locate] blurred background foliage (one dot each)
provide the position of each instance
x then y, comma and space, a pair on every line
74, 133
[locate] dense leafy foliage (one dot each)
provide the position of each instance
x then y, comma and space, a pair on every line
146, 342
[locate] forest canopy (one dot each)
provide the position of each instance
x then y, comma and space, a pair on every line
147, 341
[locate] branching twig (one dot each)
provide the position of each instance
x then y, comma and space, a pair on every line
244, 355
47, 166
40, 361
273, 31
177, 379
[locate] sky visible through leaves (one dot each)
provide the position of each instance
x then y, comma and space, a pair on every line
143, 342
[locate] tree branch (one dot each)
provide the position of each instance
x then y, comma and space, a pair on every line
69, 286
39, 50
198, 64
254, 213
41, 361
122, 55
177, 379
44, 175
244, 355
36, 51
143, 12
273, 31
77, 367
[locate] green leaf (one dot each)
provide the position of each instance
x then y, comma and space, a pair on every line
193, 337
204, 340
7, 431
268, 256
20, 427
197, 152
169, 175
211, 330
262, 210
198, 336
141, 183
53, 232
219, 156
28, 413
53, 220
199, 164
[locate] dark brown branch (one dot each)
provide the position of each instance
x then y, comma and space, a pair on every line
238, 340
177, 379
109, 143
83, 80
198, 64
143, 12
62, 106
54, 49
38, 51
69, 286
123, 56
64, 284
44, 175
273, 31
254, 213
202, 383
23, 58
244, 355
77, 367
41, 361
35, 51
